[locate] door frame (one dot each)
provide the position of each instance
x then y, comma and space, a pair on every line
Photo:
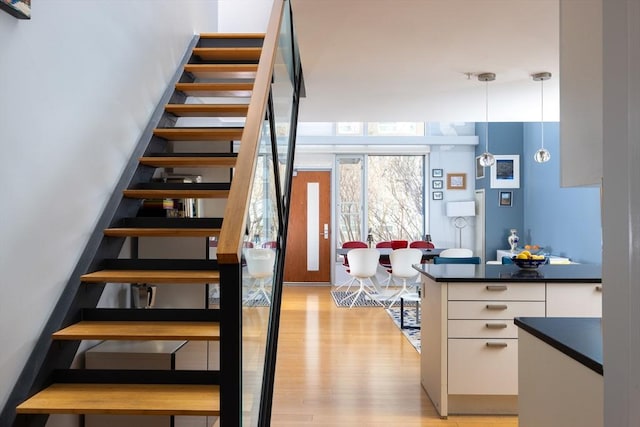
331, 222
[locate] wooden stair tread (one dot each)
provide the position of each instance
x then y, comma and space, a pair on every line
216, 89
199, 134
160, 232
228, 53
124, 399
183, 161
232, 35
139, 330
213, 71
152, 276
208, 110
175, 194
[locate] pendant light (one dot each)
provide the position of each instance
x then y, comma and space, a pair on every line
486, 158
542, 155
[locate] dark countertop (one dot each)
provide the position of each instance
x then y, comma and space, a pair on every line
560, 273
578, 337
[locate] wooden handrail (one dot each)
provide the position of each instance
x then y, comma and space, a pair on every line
235, 215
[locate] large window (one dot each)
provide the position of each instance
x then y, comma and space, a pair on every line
394, 204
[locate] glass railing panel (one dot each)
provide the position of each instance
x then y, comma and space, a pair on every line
259, 264
283, 92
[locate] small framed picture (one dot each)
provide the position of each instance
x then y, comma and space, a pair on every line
456, 181
436, 184
436, 195
436, 173
479, 168
505, 199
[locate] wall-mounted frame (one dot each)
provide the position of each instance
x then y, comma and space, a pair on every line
21, 9
437, 195
505, 198
456, 181
436, 173
436, 184
479, 169
505, 172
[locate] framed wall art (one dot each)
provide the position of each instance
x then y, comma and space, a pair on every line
436, 173
436, 184
479, 169
456, 181
505, 199
21, 9
505, 172
437, 195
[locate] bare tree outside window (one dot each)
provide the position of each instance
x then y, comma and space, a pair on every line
350, 199
394, 191
395, 197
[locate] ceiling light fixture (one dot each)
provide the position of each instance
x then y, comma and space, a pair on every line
542, 155
486, 158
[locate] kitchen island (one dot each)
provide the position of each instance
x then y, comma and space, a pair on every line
469, 359
560, 372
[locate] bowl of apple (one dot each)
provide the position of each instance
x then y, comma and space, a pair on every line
528, 261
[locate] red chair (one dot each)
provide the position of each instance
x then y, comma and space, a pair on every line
399, 244
421, 244
353, 244
384, 261
272, 244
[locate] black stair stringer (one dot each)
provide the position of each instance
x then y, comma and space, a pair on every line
46, 355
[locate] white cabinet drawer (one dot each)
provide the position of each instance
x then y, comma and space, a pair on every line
490, 328
495, 309
483, 366
497, 291
574, 300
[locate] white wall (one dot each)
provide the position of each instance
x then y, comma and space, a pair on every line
244, 16
451, 159
79, 82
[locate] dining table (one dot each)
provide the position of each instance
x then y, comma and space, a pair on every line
427, 253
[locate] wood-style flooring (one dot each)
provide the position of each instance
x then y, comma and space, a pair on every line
350, 367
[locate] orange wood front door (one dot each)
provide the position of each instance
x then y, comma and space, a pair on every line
308, 256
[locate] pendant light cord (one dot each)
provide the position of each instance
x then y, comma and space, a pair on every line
542, 113
486, 110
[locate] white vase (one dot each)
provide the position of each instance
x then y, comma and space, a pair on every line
513, 239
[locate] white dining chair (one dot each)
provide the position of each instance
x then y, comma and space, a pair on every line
456, 253
260, 263
363, 264
402, 261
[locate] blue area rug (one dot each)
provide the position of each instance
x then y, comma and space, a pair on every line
413, 335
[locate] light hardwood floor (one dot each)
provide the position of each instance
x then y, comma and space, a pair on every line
350, 367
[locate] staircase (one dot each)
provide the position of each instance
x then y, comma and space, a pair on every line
219, 66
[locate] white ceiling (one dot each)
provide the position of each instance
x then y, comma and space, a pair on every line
406, 60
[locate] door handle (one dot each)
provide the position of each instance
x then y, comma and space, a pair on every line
325, 233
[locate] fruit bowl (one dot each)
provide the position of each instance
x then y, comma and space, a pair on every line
529, 263
534, 250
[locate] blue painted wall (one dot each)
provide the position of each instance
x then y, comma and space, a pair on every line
567, 221
504, 138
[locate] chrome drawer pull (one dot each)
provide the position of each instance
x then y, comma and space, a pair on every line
496, 325
497, 344
496, 287
497, 306
598, 288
